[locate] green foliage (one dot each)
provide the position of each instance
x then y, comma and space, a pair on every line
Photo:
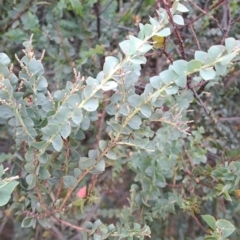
7, 186
63, 144
221, 228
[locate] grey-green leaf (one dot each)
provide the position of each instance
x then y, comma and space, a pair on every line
135, 100
73, 100
156, 82
215, 52
135, 122
77, 116
102, 144
31, 181
231, 44
36, 67
146, 110
100, 166
178, 19
69, 181
181, 7
226, 227
168, 76
181, 80
57, 143
164, 33
109, 86
91, 105
6, 112
180, 66
66, 130
228, 58
194, 65
207, 73
85, 163
172, 90
4, 59
128, 47
210, 220
42, 84
51, 129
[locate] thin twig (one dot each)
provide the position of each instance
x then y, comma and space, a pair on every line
194, 35
42, 55
199, 100
189, 158
3, 223
36, 187
201, 89
235, 21
106, 7
229, 14
97, 7
68, 224
139, 6
167, 55
93, 183
196, 85
230, 119
176, 31
185, 168
203, 14
174, 185
102, 118
206, 13
199, 224
59, 189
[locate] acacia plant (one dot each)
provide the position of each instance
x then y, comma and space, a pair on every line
148, 132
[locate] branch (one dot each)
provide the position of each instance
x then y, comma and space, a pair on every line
229, 22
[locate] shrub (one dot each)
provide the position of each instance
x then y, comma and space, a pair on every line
148, 132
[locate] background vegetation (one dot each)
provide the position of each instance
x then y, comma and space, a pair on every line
151, 150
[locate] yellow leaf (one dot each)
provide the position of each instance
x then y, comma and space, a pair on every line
158, 42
